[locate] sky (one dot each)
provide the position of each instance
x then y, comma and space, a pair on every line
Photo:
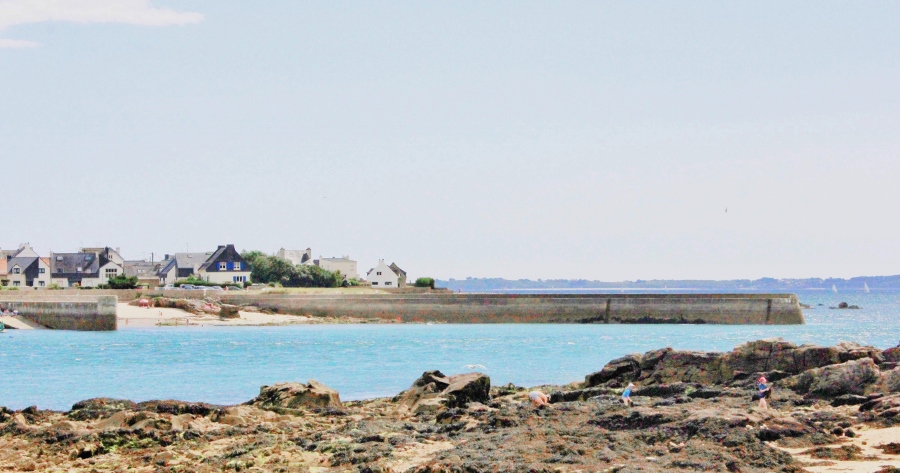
597, 140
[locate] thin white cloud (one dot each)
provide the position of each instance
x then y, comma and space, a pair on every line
134, 12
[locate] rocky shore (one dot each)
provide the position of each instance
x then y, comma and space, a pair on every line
834, 409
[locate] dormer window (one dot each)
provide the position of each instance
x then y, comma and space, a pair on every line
16, 270
237, 266
223, 266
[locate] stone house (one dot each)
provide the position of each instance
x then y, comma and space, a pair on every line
90, 268
226, 265
386, 276
27, 271
297, 257
345, 265
180, 266
223, 266
145, 271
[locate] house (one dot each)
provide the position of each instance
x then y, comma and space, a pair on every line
27, 271
3, 279
401, 274
223, 266
90, 268
145, 271
384, 276
226, 265
345, 265
297, 257
180, 266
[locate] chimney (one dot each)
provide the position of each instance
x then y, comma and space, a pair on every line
119, 250
167, 256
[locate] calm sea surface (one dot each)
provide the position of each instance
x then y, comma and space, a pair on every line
227, 365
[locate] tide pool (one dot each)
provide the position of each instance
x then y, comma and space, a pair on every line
227, 365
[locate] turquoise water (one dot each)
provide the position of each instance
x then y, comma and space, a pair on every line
227, 365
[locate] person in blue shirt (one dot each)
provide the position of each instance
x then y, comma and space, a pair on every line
764, 391
626, 395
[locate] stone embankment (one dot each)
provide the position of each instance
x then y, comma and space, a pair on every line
833, 407
775, 309
83, 312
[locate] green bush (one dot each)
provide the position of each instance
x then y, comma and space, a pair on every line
122, 282
54, 287
275, 271
199, 282
425, 282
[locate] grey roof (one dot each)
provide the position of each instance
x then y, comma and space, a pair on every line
24, 262
183, 261
69, 263
344, 259
191, 260
142, 268
396, 269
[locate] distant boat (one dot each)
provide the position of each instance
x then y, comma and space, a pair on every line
833, 288
865, 287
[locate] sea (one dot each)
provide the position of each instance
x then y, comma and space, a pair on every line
227, 365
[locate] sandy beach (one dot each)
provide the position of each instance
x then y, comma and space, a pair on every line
130, 316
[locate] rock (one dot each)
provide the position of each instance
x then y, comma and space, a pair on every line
452, 391
774, 358
662, 390
891, 354
626, 368
851, 377
229, 311
296, 396
578, 394
466, 388
849, 400
178, 407
98, 408
890, 381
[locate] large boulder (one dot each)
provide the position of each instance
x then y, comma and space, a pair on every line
626, 368
434, 390
852, 377
773, 357
891, 354
296, 396
98, 408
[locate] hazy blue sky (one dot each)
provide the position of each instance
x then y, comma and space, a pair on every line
598, 140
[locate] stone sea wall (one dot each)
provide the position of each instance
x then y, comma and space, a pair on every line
768, 309
88, 313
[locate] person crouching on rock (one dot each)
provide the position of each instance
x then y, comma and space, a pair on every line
538, 399
626, 396
764, 391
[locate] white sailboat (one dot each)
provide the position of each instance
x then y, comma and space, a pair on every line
833, 288
865, 287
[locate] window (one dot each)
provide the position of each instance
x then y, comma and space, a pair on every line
223, 266
387, 283
239, 278
16, 270
15, 283
374, 283
41, 283
237, 265
42, 270
111, 272
378, 273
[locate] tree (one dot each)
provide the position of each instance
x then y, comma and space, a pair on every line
122, 282
274, 270
425, 282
